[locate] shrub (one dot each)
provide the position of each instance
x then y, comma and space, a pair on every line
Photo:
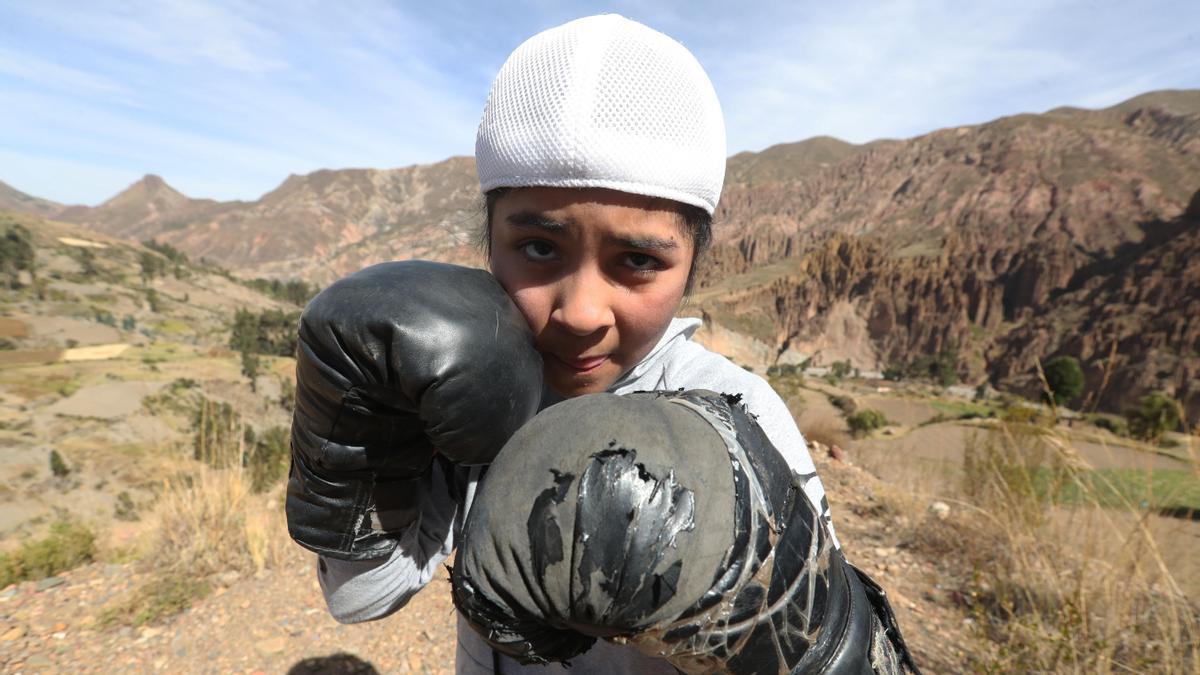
270, 332
106, 317
152, 302
58, 466
1021, 414
1064, 378
211, 522
893, 373
156, 599
1089, 594
151, 266
287, 394
269, 457
1155, 415
845, 404
68, 545
864, 422
1114, 425
16, 253
250, 367
827, 431
786, 369
944, 369
169, 252
125, 509
294, 291
841, 369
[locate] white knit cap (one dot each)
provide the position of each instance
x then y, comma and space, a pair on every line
606, 102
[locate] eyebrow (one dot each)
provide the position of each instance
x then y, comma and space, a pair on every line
532, 220
645, 243
537, 221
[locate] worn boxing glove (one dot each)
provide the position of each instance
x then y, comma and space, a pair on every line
395, 364
669, 521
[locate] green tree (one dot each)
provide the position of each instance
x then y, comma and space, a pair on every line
58, 466
271, 332
169, 252
243, 335
87, 262
268, 457
944, 369
841, 369
251, 365
1064, 378
152, 301
1155, 415
152, 266
17, 255
864, 422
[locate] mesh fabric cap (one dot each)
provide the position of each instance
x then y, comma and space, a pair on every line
604, 102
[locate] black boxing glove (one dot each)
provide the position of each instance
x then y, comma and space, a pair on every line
669, 521
395, 364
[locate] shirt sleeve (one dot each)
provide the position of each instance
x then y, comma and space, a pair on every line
357, 591
699, 368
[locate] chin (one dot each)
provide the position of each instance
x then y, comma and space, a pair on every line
572, 386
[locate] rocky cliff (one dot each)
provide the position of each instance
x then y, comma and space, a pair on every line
1026, 237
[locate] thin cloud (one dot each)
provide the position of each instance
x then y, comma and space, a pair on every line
171, 31
225, 99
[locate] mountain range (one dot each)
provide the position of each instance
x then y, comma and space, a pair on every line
1068, 232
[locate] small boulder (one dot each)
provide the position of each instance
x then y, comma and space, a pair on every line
940, 509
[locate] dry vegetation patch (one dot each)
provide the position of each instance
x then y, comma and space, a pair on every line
1052, 562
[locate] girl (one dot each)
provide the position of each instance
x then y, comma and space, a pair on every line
601, 154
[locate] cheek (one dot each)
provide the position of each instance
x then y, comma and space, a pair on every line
529, 298
646, 315
535, 305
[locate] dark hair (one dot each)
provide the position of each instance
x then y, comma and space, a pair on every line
696, 221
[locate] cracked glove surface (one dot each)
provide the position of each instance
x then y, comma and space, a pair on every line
669, 521
393, 362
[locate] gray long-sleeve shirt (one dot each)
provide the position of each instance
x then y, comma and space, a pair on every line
364, 591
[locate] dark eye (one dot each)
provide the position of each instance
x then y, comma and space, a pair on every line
642, 262
538, 251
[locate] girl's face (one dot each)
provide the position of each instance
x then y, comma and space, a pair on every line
597, 273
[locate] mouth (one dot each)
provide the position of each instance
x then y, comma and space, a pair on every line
582, 365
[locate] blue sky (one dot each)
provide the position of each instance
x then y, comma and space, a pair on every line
225, 99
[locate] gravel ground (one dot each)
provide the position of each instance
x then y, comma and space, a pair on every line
273, 623
276, 622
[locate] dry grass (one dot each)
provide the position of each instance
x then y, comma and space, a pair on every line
206, 524
827, 430
213, 522
1056, 588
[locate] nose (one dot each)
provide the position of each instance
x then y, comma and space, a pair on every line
582, 306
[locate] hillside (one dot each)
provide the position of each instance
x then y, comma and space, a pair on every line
107, 367
142, 528
993, 243
980, 240
12, 199
332, 221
